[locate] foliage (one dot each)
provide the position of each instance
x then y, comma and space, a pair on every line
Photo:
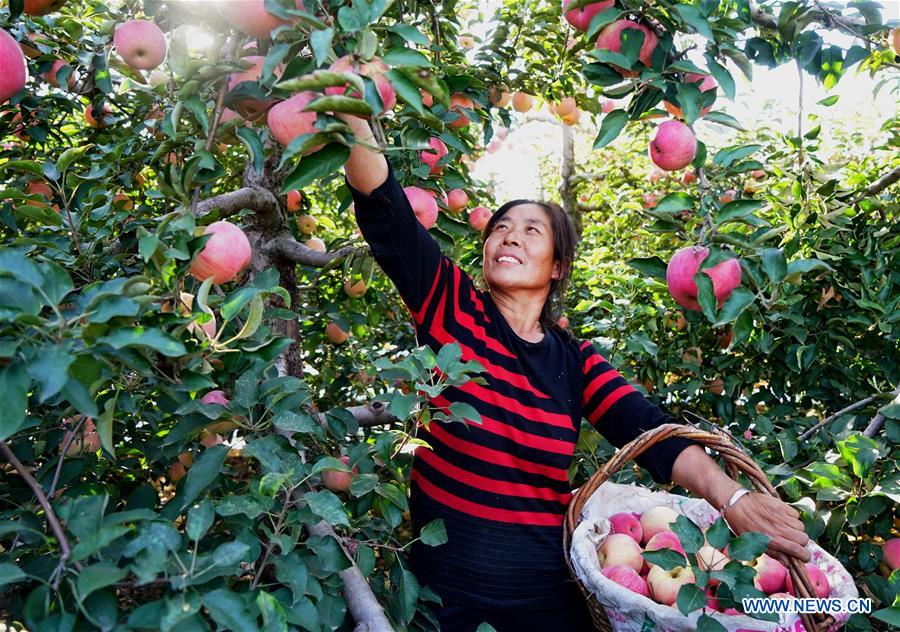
174, 514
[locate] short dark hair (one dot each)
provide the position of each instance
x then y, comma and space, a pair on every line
565, 238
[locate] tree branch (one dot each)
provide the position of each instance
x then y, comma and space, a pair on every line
65, 550
367, 415
879, 419
830, 418
361, 601
289, 248
253, 198
879, 185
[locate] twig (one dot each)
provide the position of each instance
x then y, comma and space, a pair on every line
271, 545
67, 441
65, 551
879, 419
879, 185
800, 116
830, 418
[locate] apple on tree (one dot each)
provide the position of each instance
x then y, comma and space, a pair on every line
288, 119
314, 243
224, 255
612, 35
479, 217
522, 102
335, 334
294, 200
141, 44
674, 146
375, 70
458, 101
42, 7
706, 83
337, 480
307, 224
432, 156
581, 18
250, 17
14, 73
423, 204
457, 200
685, 263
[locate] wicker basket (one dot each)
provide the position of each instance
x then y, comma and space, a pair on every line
736, 462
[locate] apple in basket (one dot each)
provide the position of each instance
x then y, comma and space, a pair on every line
656, 519
626, 576
664, 585
627, 523
619, 548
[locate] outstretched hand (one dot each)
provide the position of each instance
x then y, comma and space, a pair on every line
769, 515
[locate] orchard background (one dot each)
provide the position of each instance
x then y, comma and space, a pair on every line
131, 498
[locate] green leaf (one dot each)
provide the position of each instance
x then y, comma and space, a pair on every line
50, 368
675, 202
434, 533
14, 385
718, 534
152, 339
612, 125
230, 553
99, 576
740, 299
748, 546
254, 145
105, 425
202, 474
69, 156
692, 17
774, 264
227, 609
799, 267
688, 533
666, 558
653, 266
690, 597
727, 156
199, 520
327, 506
254, 319
10, 574
405, 57
890, 615
723, 119
273, 613
339, 103
324, 162
410, 34
706, 623
705, 295
320, 41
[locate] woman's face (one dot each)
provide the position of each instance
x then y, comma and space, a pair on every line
518, 254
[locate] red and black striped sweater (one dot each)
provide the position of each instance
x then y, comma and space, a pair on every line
501, 486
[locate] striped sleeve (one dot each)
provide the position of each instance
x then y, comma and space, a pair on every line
400, 244
620, 413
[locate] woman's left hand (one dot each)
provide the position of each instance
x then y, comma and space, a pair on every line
781, 522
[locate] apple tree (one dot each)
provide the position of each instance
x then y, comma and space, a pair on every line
210, 392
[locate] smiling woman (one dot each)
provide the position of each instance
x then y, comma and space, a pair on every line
501, 486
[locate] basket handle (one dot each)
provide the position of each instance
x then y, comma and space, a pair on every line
736, 461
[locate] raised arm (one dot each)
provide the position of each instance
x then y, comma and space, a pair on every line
366, 169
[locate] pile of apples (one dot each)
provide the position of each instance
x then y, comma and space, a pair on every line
632, 534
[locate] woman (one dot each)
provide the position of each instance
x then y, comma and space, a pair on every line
501, 487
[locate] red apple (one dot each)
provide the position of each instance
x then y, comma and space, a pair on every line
728, 196
656, 519
620, 548
294, 200
572, 117
522, 102
458, 101
664, 585
770, 574
689, 177
307, 224
685, 263
247, 106
140, 43
563, 323
14, 73
581, 18
337, 481
91, 118
314, 243
608, 106
664, 540
335, 334
354, 290
287, 120
817, 578
479, 217
375, 70
432, 156
624, 522
710, 559
610, 38
457, 200
215, 397
674, 146
250, 17
499, 95
50, 75
626, 576
224, 255
706, 82
423, 204
891, 551
42, 7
